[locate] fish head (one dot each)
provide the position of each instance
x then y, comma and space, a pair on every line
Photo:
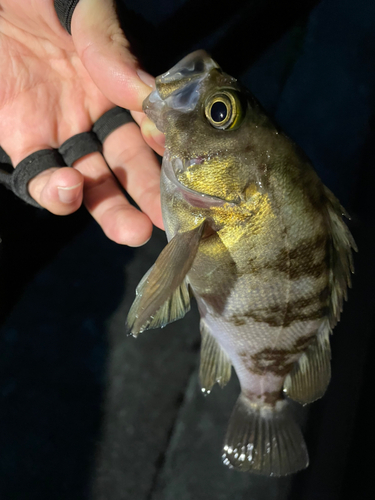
214, 128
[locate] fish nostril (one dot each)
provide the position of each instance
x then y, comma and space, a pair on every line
198, 66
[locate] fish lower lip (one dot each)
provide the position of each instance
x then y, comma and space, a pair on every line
180, 166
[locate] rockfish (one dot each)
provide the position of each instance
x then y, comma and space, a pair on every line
260, 242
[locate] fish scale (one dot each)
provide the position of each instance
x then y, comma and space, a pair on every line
260, 242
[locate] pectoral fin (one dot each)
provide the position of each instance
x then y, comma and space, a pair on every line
311, 374
162, 295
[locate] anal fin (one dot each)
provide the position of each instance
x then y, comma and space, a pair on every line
311, 374
215, 365
264, 439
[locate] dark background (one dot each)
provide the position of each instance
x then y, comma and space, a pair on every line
87, 413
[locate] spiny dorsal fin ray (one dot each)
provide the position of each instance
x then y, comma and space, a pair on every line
264, 439
162, 294
215, 365
310, 376
341, 258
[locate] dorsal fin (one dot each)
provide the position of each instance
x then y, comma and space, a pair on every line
311, 374
162, 294
341, 258
215, 364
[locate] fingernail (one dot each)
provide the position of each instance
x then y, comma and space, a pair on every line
159, 138
69, 194
149, 129
141, 244
146, 78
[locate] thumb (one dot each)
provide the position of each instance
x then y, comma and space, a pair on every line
105, 53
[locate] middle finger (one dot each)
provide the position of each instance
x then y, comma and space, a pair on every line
136, 167
105, 201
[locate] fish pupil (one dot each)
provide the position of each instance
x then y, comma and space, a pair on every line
219, 112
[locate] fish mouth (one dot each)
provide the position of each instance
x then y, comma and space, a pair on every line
178, 88
171, 166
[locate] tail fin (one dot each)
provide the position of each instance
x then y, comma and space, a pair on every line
264, 439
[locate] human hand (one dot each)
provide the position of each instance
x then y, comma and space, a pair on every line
53, 86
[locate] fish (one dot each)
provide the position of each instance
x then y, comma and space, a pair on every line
260, 243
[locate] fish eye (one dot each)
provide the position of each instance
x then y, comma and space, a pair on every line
223, 110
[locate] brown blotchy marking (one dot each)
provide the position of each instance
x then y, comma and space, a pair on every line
268, 397
276, 361
297, 262
246, 359
272, 361
314, 269
324, 295
300, 261
313, 187
302, 343
239, 321
296, 315
277, 316
271, 397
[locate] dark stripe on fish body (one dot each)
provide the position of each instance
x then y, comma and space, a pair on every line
277, 316
303, 258
309, 183
298, 262
293, 315
302, 343
238, 321
275, 361
268, 397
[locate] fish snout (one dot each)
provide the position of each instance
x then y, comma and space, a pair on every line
194, 65
178, 88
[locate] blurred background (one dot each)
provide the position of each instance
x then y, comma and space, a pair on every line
89, 413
